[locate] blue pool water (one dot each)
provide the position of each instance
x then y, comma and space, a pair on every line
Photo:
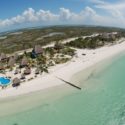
4, 81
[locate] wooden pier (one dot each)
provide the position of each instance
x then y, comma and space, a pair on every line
69, 83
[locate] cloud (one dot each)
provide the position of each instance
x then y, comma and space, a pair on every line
97, 1
65, 14
116, 10
46, 16
89, 15
30, 15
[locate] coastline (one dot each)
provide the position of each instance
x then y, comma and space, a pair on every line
65, 71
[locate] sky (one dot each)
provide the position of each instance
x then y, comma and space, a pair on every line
15, 14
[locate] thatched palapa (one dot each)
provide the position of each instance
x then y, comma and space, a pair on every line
3, 56
16, 82
27, 71
24, 62
11, 62
37, 71
38, 49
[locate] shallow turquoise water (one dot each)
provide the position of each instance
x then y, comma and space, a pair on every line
101, 102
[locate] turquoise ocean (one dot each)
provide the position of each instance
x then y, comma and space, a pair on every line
100, 102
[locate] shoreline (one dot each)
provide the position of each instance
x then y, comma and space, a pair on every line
65, 71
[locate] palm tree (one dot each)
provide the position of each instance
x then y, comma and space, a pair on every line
58, 46
32, 62
41, 59
43, 68
41, 63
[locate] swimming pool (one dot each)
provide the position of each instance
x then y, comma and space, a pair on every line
4, 81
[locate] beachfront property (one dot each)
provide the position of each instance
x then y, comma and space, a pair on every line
24, 66
62, 62
29, 76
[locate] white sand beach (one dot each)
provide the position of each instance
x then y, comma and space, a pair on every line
84, 59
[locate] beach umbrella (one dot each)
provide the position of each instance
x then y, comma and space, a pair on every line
16, 71
27, 71
22, 76
37, 71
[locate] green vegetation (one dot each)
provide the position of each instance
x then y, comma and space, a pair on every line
48, 57
94, 42
31, 37
38, 59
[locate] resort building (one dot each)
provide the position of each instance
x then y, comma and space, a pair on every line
11, 62
16, 82
36, 51
3, 57
24, 62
